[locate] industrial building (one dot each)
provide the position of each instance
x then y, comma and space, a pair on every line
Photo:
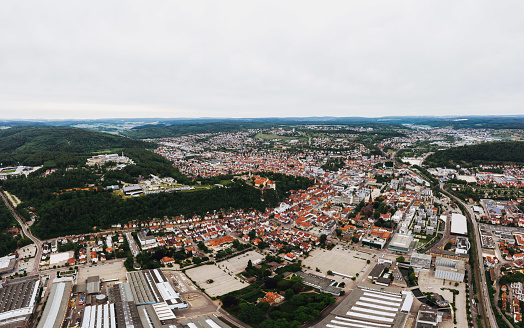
57, 304
143, 292
93, 285
206, 321
368, 306
401, 243
127, 314
324, 285
151, 287
7, 264
132, 190
168, 294
449, 269
17, 301
376, 272
420, 262
459, 224
428, 317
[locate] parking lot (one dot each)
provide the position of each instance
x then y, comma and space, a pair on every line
26, 259
106, 271
428, 283
339, 260
223, 274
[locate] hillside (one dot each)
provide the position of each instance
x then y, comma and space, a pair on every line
179, 129
34, 139
486, 153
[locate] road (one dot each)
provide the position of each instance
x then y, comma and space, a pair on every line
25, 231
479, 265
481, 282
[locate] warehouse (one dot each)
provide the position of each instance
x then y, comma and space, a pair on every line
449, 269
151, 287
17, 301
99, 316
143, 292
324, 285
206, 321
93, 285
7, 264
169, 295
459, 224
371, 307
57, 303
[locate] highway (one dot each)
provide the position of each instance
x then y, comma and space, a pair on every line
26, 232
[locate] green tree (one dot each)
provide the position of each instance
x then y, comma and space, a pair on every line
289, 294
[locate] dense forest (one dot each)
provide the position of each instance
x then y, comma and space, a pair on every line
34, 139
8, 244
175, 130
79, 212
38, 190
72, 212
485, 153
57, 147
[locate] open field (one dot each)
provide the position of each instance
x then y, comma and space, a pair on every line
266, 136
114, 270
223, 274
339, 259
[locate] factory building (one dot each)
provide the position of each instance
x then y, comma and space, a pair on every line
151, 287
449, 269
7, 264
17, 301
369, 306
57, 304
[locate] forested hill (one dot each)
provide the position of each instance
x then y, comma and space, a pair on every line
35, 139
485, 153
179, 129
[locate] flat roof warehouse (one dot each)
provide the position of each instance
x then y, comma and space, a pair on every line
459, 224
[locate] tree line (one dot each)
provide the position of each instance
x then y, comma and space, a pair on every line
486, 153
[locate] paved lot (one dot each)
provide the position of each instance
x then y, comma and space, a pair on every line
428, 283
223, 274
104, 270
339, 259
26, 259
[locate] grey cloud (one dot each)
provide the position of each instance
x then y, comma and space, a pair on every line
65, 59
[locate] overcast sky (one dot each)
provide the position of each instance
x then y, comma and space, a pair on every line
102, 59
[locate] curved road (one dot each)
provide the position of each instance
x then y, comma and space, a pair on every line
26, 232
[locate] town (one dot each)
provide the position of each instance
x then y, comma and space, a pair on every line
370, 238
